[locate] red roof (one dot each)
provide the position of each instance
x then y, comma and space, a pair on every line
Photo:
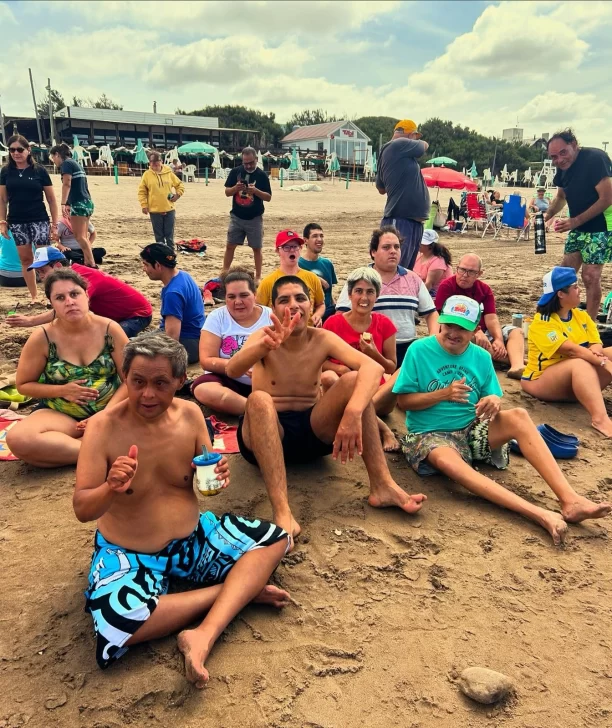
315, 131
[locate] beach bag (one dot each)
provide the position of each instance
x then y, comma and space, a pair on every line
195, 245
9, 396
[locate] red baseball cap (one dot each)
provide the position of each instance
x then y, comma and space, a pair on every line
288, 236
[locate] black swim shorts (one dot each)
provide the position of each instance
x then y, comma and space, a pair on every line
300, 444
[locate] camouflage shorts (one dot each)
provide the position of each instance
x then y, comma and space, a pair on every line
595, 248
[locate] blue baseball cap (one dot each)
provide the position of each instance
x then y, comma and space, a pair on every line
46, 255
559, 277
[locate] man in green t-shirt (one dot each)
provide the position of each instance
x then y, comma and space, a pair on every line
449, 390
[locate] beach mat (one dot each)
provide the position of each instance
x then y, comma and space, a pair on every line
7, 420
225, 440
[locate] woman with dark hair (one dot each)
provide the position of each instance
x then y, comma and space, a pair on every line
225, 332
22, 186
565, 360
76, 199
433, 263
73, 367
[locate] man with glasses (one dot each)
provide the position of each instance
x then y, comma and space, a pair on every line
288, 247
249, 187
584, 181
503, 343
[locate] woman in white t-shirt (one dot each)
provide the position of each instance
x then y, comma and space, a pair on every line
224, 333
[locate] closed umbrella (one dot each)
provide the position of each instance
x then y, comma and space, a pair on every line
374, 163
197, 149
259, 160
473, 173
448, 179
333, 165
296, 165
437, 161
140, 156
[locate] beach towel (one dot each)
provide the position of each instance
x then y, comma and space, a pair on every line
225, 439
7, 420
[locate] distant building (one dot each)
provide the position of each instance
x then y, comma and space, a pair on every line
513, 135
124, 128
342, 137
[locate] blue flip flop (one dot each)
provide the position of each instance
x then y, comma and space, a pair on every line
569, 439
559, 450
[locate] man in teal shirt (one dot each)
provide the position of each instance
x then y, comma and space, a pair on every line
449, 390
312, 260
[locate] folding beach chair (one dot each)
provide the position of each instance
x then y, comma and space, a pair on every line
513, 215
494, 215
476, 212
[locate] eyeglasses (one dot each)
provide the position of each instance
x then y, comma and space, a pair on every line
290, 248
14, 150
467, 271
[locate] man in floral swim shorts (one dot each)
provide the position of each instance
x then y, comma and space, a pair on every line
584, 181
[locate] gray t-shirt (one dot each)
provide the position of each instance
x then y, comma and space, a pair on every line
400, 175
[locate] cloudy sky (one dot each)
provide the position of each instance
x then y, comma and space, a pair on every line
481, 64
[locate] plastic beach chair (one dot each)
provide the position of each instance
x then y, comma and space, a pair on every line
513, 215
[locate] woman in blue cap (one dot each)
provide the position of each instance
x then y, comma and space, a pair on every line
566, 360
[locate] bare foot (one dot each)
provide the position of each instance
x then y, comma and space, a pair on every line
515, 373
604, 428
555, 525
389, 441
582, 508
195, 647
274, 596
389, 496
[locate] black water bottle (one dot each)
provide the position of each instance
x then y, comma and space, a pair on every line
539, 227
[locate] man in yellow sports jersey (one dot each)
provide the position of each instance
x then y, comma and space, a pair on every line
566, 360
288, 246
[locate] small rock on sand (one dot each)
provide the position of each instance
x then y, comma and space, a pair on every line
484, 685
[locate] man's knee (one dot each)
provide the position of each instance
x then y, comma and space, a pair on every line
259, 403
517, 416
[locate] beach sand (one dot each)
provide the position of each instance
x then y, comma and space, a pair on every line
388, 608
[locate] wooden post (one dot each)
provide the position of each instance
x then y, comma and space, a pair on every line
40, 137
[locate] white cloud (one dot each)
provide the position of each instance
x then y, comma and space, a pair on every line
218, 19
562, 109
6, 16
588, 16
222, 61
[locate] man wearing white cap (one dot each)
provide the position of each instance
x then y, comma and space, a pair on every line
399, 177
448, 387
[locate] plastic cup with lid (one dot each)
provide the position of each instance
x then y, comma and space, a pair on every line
205, 482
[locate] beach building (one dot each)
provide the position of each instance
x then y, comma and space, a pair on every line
342, 137
124, 128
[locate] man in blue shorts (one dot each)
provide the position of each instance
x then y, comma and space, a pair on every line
135, 478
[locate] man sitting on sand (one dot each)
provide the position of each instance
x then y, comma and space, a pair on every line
134, 476
452, 398
505, 343
287, 420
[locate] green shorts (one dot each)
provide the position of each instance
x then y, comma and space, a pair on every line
84, 208
595, 248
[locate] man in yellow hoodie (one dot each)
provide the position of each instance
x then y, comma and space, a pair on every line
159, 189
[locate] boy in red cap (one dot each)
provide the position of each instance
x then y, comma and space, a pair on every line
288, 246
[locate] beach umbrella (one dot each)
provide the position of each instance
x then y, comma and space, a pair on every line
295, 165
333, 165
197, 149
448, 179
78, 153
437, 161
473, 173
140, 156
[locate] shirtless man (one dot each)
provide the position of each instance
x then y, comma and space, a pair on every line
136, 481
287, 420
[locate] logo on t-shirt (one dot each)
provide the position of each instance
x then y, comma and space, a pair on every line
232, 344
552, 335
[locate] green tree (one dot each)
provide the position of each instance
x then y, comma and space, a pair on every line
308, 117
103, 102
374, 126
57, 102
239, 117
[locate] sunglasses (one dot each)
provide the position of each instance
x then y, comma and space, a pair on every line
13, 150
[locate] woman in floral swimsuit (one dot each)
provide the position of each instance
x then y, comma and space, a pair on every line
73, 367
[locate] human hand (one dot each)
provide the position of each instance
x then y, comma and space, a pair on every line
480, 339
279, 332
348, 438
498, 350
65, 209
123, 470
62, 248
317, 321
75, 392
223, 472
324, 283
174, 198
16, 320
82, 425
145, 210
488, 407
4, 229
458, 391
565, 225
367, 347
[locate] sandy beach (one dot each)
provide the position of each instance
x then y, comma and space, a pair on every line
388, 609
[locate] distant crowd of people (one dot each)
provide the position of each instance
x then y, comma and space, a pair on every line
307, 375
